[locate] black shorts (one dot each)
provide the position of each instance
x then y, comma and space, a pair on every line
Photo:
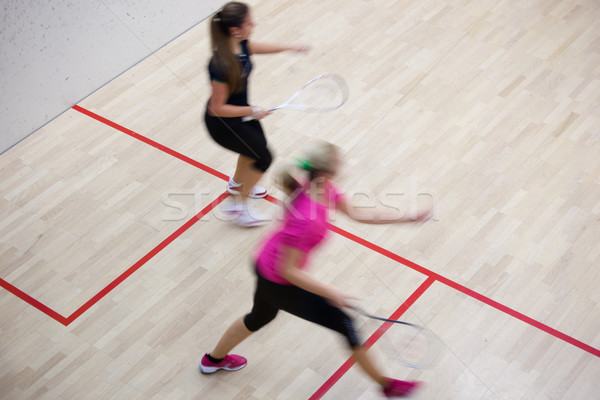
270, 297
245, 138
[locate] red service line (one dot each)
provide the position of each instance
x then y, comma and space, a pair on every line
432, 276
147, 258
151, 142
372, 339
33, 302
66, 321
469, 292
363, 242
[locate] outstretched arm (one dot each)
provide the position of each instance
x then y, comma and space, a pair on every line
270, 48
377, 216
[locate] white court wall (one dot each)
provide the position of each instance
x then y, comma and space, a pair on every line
56, 52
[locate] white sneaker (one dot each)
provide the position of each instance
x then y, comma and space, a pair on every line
249, 217
230, 208
257, 192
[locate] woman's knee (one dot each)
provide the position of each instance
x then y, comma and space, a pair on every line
264, 160
255, 321
349, 331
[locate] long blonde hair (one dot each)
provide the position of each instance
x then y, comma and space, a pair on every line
317, 157
232, 15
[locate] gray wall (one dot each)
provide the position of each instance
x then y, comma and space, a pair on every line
54, 53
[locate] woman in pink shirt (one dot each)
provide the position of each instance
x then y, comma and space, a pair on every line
284, 284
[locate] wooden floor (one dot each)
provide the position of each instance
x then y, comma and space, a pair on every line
118, 272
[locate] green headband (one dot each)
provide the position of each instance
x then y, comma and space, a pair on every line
304, 164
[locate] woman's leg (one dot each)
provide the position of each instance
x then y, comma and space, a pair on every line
249, 141
234, 335
366, 363
246, 175
314, 308
261, 314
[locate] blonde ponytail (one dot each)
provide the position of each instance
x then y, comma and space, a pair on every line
285, 180
316, 158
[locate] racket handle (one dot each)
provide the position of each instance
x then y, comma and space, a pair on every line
251, 117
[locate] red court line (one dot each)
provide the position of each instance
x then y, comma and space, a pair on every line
151, 142
528, 320
432, 276
469, 292
66, 321
33, 302
366, 244
145, 258
372, 339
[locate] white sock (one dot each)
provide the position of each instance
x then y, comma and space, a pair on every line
233, 183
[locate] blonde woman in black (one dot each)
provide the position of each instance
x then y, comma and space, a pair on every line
229, 70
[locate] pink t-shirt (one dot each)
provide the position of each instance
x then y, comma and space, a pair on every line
304, 227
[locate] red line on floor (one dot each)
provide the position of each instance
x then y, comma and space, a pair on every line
145, 259
151, 142
383, 251
337, 375
33, 302
522, 317
432, 276
66, 321
468, 292
365, 243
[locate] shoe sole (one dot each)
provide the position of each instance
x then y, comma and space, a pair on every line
417, 386
212, 370
251, 195
251, 224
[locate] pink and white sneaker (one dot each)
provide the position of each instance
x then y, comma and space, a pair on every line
231, 362
257, 192
398, 388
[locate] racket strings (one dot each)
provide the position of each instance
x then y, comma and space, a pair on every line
412, 346
321, 95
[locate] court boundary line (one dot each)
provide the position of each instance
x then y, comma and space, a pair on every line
469, 292
151, 142
66, 321
432, 277
440, 278
341, 371
32, 301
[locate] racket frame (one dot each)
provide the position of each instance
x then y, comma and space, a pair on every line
422, 330
303, 107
